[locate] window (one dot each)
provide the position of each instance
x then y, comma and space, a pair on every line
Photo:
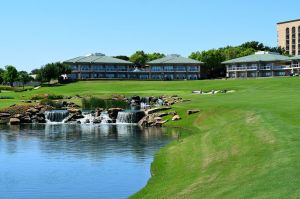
72, 76
192, 68
169, 68
85, 76
298, 40
122, 68
85, 68
111, 68
294, 41
122, 76
192, 77
158, 77
156, 68
169, 77
73, 67
180, 69
287, 41
99, 68
180, 76
110, 76
144, 76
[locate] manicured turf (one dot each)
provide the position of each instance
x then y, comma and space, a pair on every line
244, 144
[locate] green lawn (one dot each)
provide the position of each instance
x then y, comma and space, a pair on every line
244, 144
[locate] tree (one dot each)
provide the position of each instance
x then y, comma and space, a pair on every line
153, 56
1, 75
10, 75
24, 77
123, 57
48, 72
139, 58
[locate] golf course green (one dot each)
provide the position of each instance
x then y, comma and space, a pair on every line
244, 144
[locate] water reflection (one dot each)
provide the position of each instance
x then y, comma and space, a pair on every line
107, 155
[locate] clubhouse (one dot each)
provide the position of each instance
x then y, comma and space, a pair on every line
99, 66
262, 64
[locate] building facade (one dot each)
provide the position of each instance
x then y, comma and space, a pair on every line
99, 66
261, 64
289, 36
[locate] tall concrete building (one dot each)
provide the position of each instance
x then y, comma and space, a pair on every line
289, 36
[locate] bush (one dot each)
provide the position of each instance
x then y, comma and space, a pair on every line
50, 102
46, 96
6, 97
94, 102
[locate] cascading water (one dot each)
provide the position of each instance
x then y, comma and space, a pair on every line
125, 117
56, 116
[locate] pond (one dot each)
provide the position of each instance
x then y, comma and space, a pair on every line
76, 161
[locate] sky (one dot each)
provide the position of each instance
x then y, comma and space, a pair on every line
36, 32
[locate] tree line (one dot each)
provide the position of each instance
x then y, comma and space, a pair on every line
46, 73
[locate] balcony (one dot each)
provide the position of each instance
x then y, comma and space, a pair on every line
241, 68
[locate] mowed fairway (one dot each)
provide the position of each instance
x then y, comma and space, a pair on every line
244, 144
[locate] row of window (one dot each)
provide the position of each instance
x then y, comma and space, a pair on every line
172, 68
133, 76
287, 42
254, 74
124, 68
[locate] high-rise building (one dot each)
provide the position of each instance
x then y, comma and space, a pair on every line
289, 36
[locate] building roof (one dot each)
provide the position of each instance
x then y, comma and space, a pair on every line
295, 58
258, 57
98, 59
283, 22
175, 59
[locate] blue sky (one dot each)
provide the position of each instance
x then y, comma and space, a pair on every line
36, 32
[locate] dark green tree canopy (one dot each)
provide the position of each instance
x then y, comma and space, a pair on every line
24, 77
141, 58
10, 74
213, 58
123, 57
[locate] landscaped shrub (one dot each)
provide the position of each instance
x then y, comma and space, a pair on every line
6, 97
50, 102
46, 96
94, 102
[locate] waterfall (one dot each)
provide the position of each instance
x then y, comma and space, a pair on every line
125, 117
56, 115
105, 119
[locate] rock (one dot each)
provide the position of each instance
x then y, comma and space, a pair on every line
41, 120
14, 121
162, 114
189, 112
3, 114
113, 112
172, 113
98, 112
26, 119
176, 117
18, 116
78, 122
158, 118
87, 121
155, 110
33, 110
28, 101
96, 121
74, 110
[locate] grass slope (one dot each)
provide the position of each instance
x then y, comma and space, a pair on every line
242, 145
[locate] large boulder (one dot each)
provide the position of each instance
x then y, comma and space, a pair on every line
176, 117
113, 112
14, 121
155, 110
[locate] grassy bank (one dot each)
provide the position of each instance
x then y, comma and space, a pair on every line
241, 145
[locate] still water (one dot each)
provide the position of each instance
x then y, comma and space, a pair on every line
76, 161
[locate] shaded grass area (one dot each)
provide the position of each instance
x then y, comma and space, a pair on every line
241, 145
